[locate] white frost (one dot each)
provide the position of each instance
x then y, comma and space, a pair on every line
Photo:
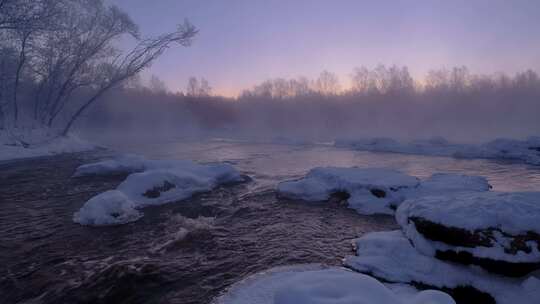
390, 256
312, 285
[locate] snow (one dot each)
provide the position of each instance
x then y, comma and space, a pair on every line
320, 183
450, 183
123, 164
527, 151
36, 143
161, 182
362, 184
108, 208
512, 213
391, 257
317, 285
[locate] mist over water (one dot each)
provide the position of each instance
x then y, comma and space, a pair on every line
383, 102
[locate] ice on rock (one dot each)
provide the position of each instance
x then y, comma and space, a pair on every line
108, 208
497, 231
158, 182
370, 190
390, 256
302, 285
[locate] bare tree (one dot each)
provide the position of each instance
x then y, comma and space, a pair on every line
124, 67
192, 87
327, 83
196, 88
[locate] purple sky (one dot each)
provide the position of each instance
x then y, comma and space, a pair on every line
243, 42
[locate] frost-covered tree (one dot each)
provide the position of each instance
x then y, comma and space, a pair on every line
66, 52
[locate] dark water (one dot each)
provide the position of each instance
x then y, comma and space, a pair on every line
187, 252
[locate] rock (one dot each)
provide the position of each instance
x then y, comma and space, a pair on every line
499, 232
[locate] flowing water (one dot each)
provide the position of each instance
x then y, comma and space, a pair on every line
190, 251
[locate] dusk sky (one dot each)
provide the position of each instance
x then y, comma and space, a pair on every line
243, 42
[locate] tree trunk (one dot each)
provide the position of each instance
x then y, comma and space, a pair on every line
22, 59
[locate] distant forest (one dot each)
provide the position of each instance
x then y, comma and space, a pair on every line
384, 101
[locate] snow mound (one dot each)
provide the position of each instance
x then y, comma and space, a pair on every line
391, 257
371, 190
161, 182
512, 212
497, 231
108, 208
527, 151
302, 285
375, 190
449, 183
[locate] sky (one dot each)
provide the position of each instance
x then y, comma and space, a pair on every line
244, 42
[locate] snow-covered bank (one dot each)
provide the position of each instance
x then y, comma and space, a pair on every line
313, 284
151, 182
527, 151
390, 256
375, 190
35, 143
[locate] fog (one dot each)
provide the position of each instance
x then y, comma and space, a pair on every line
66, 67
381, 102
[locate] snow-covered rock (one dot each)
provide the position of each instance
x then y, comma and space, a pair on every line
312, 285
159, 182
391, 257
498, 231
374, 190
108, 208
450, 183
369, 191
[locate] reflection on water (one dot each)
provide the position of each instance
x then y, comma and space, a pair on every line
271, 163
188, 252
